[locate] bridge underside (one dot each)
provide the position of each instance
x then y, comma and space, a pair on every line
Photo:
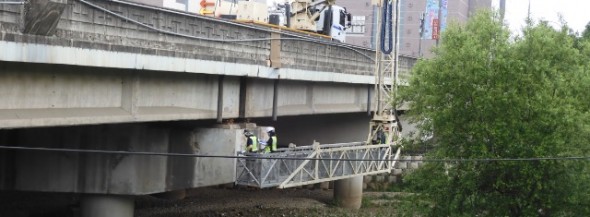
26, 170
37, 95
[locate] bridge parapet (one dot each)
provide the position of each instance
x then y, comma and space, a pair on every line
131, 28
111, 62
121, 27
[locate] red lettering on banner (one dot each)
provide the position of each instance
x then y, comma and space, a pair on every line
435, 28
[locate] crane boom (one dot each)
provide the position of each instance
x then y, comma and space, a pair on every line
385, 128
303, 15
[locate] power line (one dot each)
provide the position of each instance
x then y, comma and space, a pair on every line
94, 151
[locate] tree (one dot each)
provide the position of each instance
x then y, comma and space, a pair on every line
586, 32
487, 95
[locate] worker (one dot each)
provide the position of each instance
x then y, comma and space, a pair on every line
383, 136
271, 143
251, 143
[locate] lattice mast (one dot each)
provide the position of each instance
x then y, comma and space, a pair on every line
384, 127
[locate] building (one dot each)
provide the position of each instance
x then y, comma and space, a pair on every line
364, 19
411, 44
361, 33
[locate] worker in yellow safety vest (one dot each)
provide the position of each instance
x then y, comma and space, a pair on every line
271, 144
251, 143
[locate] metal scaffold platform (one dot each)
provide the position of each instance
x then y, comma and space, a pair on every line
291, 167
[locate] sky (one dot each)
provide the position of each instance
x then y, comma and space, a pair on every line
573, 11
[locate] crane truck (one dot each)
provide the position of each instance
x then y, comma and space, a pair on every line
323, 17
320, 16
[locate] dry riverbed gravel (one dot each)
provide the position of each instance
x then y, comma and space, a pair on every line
218, 202
256, 202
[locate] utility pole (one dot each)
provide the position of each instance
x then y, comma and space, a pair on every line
503, 9
422, 17
375, 26
528, 17
439, 21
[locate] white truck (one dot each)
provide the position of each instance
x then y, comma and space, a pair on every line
320, 16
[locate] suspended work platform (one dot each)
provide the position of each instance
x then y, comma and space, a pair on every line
291, 167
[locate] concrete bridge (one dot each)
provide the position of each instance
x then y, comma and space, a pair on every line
112, 75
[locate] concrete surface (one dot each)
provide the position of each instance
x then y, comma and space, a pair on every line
216, 141
349, 192
301, 98
91, 29
117, 173
48, 54
37, 95
325, 129
107, 206
99, 68
41, 16
88, 36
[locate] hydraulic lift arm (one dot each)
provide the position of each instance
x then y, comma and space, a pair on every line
305, 12
385, 128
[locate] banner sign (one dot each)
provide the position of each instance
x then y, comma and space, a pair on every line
433, 25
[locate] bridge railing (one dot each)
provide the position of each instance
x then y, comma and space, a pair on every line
124, 27
310, 165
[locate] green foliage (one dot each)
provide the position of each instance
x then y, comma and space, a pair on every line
366, 202
399, 186
487, 95
586, 33
416, 146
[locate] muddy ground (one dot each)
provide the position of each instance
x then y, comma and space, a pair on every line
208, 202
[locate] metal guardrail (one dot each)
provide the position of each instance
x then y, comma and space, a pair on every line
314, 164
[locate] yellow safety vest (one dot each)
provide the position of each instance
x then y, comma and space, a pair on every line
254, 144
271, 147
274, 143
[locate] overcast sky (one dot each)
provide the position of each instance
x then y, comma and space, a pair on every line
573, 11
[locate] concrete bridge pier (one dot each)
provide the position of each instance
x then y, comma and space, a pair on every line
102, 205
349, 192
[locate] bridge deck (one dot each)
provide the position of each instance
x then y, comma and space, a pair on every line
314, 164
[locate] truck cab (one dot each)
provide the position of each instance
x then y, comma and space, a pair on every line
333, 21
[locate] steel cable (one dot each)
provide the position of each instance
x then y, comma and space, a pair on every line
92, 151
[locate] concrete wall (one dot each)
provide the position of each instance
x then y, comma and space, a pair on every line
301, 98
99, 68
384, 182
326, 128
88, 36
122, 174
86, 27
36, 95
117, 173
54, 95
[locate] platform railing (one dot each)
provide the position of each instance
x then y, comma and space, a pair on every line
315, 164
